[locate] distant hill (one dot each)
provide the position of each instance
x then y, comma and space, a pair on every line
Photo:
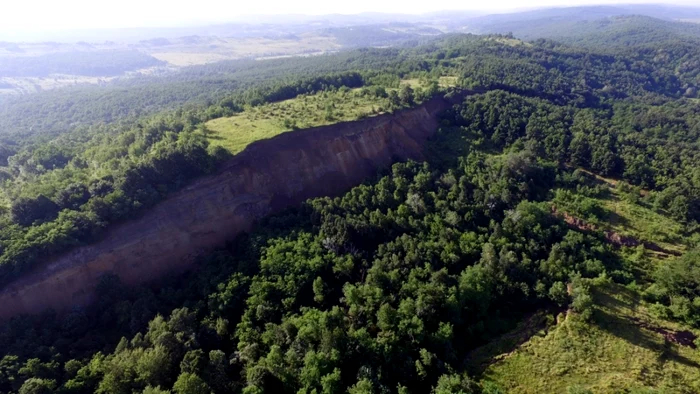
379, 35
621, 31
527, 24
596, 26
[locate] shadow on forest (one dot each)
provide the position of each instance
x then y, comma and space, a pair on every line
476, 361
614, 218
625, 302
632, 332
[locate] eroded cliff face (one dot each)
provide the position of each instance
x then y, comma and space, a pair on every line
268, 176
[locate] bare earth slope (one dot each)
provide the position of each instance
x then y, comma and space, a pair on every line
265, 178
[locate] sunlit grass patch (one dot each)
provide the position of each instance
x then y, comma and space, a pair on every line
266, 121
620, 350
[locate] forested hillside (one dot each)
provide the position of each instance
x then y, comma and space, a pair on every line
556, 214
99, 64
195, 88
616, 32
564, 22
60, 194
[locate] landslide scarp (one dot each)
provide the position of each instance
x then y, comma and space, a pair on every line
268, 176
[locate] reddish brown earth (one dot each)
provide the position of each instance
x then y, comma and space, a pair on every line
682, 338
612, 237
268, 176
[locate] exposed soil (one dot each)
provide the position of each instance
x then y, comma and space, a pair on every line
267, 177
612, 237
682, 338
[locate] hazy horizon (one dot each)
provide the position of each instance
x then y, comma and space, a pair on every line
83, 20
84, 14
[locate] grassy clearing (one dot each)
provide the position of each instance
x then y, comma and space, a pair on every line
511, 41
266, 121
623, 349
443, 82
628, 214
413, 83
236, 132
447, 82
643, 223
619, 351
185, 54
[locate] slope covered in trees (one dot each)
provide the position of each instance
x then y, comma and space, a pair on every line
399, 284
579, 21
197, 87
387, 288
96, 64
614, 32
391, 271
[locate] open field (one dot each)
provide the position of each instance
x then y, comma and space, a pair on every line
24, 85
643, 223
36, 84
175, 52
216, 49
623, 349
444, 82
266, 121
511, 41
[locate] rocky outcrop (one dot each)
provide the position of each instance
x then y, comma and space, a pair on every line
265, 178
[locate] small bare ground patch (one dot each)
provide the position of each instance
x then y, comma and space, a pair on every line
682, 338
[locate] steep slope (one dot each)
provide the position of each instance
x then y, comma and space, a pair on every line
268, 176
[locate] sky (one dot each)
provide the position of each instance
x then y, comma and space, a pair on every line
51, 15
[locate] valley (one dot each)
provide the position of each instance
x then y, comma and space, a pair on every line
306, 111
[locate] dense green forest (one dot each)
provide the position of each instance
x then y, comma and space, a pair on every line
607, 25
392, 286
60, 193
193, 88
95, 64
